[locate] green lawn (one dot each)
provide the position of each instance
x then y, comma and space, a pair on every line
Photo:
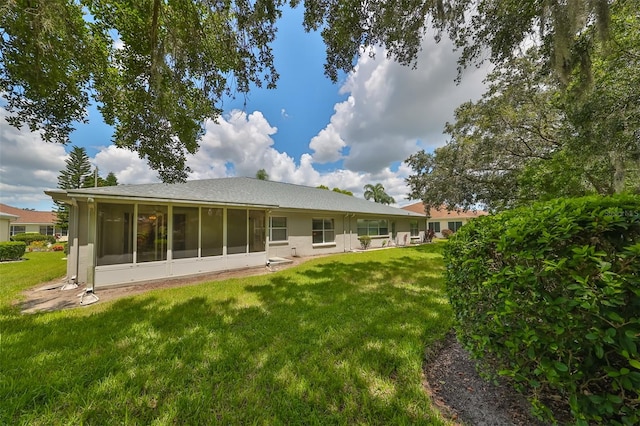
336, 340
38, 267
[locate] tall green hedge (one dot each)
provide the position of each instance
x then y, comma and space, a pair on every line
10, 250
549, 295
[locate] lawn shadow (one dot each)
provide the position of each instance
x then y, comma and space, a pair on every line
337, 341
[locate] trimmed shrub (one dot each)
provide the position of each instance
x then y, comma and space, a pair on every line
365, 241
30, 237
549, 296
12, 250
447, 233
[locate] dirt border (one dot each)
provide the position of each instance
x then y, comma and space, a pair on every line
456, 388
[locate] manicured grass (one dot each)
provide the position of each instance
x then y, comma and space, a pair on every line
336, 340
38, 267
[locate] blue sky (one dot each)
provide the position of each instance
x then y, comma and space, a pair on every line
307, 131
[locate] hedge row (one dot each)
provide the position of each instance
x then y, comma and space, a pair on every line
10, 250
30, 237
550, 296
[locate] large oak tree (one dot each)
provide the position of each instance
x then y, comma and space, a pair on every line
533, 137
159, 68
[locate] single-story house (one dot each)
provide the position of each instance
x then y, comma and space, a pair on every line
41, 222
132, 233
439, 219
5, 225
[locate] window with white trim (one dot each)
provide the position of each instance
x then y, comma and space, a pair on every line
373, 227
278, 229
323, 231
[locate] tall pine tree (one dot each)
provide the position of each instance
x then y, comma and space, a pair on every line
110, 180
72, 177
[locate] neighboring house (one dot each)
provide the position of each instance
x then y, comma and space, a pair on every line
439, 219
32, 221
132, 233
5, 225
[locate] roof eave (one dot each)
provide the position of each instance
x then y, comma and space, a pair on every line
146, 199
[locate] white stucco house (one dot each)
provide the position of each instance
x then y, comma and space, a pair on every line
132, 233
5, 225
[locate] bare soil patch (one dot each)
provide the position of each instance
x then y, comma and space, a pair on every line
465, 397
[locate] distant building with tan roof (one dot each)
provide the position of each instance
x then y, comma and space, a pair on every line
439, 219
21, 221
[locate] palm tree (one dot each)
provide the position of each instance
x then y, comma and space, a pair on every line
378, 194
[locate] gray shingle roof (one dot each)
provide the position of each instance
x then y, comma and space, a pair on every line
244, 191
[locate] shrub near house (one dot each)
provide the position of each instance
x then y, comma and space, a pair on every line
550, 296
12, 250
31, 237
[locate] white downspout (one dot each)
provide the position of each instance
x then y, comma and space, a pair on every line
72, 281
76, 238
344, 233
89, 295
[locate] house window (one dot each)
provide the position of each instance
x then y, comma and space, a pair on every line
18, 229
413, 228
236, 231
115, 234
46, 229
434, 226
151, 233
454, 226
257, 232
185, 232
212, 227
373, 227
278, 229
323, 231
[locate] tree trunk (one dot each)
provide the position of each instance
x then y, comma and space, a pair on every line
617, 161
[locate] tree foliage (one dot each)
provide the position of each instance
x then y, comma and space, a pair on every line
77, 169
342, 191
110, 180
262, 174
158, 69
90, 180
377, 193
77, 174
338, 190
74, 175
532, 137
484, 29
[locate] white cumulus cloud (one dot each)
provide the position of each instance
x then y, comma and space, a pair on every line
392, 110
28, 166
